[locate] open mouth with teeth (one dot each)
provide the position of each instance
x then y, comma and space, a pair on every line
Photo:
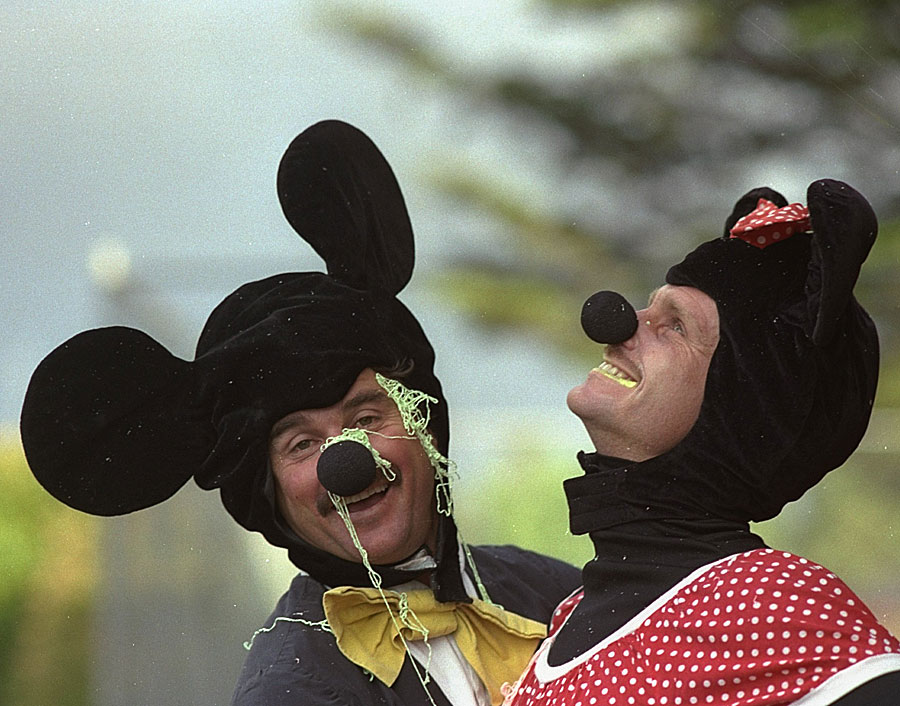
613, 373
369, 497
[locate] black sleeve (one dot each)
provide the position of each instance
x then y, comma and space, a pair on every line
295, 660
283, 685
880, 691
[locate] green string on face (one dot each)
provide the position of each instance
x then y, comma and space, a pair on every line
406, 616
415, 414
410, 404
361, 436
415, 421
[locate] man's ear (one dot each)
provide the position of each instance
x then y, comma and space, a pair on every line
340, 194
94, 414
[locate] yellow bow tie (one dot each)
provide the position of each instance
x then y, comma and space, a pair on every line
497, 643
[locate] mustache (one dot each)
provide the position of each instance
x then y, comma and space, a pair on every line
324, 506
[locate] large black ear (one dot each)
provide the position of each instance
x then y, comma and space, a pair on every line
106, 424
340, 194
747, 203
844, 228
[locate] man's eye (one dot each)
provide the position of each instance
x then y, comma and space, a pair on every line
303, 445
678, 327
366, 420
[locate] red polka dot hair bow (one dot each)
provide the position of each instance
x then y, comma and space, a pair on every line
769, 224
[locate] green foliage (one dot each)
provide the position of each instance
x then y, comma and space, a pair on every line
694, 104
46, 594
879, 292
518, 499
582, 4
557, 268
379, 29
508, 299
700, 101
849, 523
826, 26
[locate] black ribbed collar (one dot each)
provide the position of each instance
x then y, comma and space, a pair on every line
635, 561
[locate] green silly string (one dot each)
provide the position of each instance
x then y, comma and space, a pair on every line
415, 414
319, 624
410, 404
415, 421
408, 618
482, 590
362, 436
405, 616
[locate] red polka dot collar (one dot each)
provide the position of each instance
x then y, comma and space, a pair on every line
761, 627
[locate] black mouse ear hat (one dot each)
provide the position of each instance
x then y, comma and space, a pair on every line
791, 384
112, 422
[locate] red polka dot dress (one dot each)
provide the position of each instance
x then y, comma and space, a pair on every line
761, 627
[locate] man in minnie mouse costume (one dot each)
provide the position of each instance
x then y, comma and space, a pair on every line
313, 407
748, 377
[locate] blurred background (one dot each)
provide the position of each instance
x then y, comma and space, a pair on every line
546, 148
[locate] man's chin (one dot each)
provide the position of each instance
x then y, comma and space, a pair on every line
381, 543
583, 402
387, 557
574, 399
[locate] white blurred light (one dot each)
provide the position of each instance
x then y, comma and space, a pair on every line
109, 264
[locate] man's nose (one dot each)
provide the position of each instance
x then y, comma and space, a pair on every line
643, 328
608, 318
346, 468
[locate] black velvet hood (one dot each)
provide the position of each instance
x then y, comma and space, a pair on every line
113, 423
790, 385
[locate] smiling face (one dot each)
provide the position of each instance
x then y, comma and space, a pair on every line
646, 394
392, 520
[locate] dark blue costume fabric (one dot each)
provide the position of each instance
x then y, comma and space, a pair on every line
298, 664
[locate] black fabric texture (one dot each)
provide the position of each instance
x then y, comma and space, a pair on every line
637, 561
113, 423
82, 437
787, 399
305, 662
880, 691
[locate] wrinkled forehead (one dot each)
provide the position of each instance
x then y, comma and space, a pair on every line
365, 392
693, 307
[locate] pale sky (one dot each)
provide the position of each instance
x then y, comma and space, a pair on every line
159, 126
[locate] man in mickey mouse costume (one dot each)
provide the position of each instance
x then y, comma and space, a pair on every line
749, 376
313, 407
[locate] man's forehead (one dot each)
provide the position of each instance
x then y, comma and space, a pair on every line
670, 291
690, 302
684, 297
362, 393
